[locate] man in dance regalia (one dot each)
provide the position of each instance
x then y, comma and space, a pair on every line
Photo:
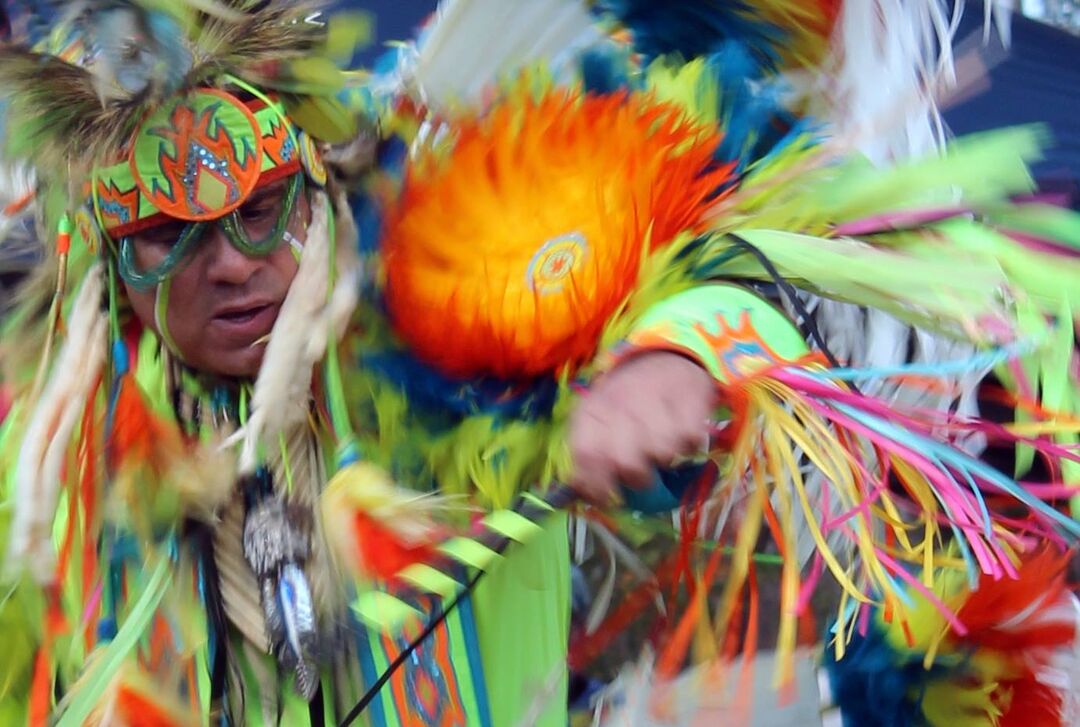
321, 361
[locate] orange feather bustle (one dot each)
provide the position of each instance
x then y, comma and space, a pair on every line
508, 253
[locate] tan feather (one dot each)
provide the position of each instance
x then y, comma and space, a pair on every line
41, 458
175, 481
299, 338
307, 475
64, 118
58, 122
412, 516
239, 589
283, 385
258, 46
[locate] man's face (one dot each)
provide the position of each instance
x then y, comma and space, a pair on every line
222, 303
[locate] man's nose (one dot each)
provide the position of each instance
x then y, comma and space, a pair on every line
227, 264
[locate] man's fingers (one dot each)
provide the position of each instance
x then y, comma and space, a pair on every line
591, 473
630, 447
634, 470
663, 441
690, 423
595, 481
641, 417
608, 452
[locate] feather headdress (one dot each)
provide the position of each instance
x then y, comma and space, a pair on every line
78, 105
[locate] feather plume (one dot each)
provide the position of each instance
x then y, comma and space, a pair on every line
155, 467
56, 120
156, 48
473, 43
259, 45
300, 335
65, 118
776, 32
891, 60
38, 470
239, 588
284, 381
136, 50
1010, 667
349, 267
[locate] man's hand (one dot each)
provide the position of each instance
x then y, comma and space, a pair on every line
643, 414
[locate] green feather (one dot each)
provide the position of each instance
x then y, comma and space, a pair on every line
921, 286
981, 167
86, 693
1045, 221
803, 188
323, 117
19, 605
345, 33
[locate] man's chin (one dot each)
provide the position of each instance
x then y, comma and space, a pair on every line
238, 363
247, 362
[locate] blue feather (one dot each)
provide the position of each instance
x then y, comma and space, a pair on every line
938, 369
451, 399
755, 120
141, 48
695, 28
606, 69
173, 60
368, 219
874, 684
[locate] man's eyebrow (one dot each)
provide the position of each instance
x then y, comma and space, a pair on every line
264, 193
170, 227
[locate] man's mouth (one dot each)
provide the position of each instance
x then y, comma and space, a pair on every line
247, 323
243, 315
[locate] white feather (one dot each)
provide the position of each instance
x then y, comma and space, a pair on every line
473, 43
893, 59
41, 459
15, 182
300, 335
346, 290
19, 245
617, 552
